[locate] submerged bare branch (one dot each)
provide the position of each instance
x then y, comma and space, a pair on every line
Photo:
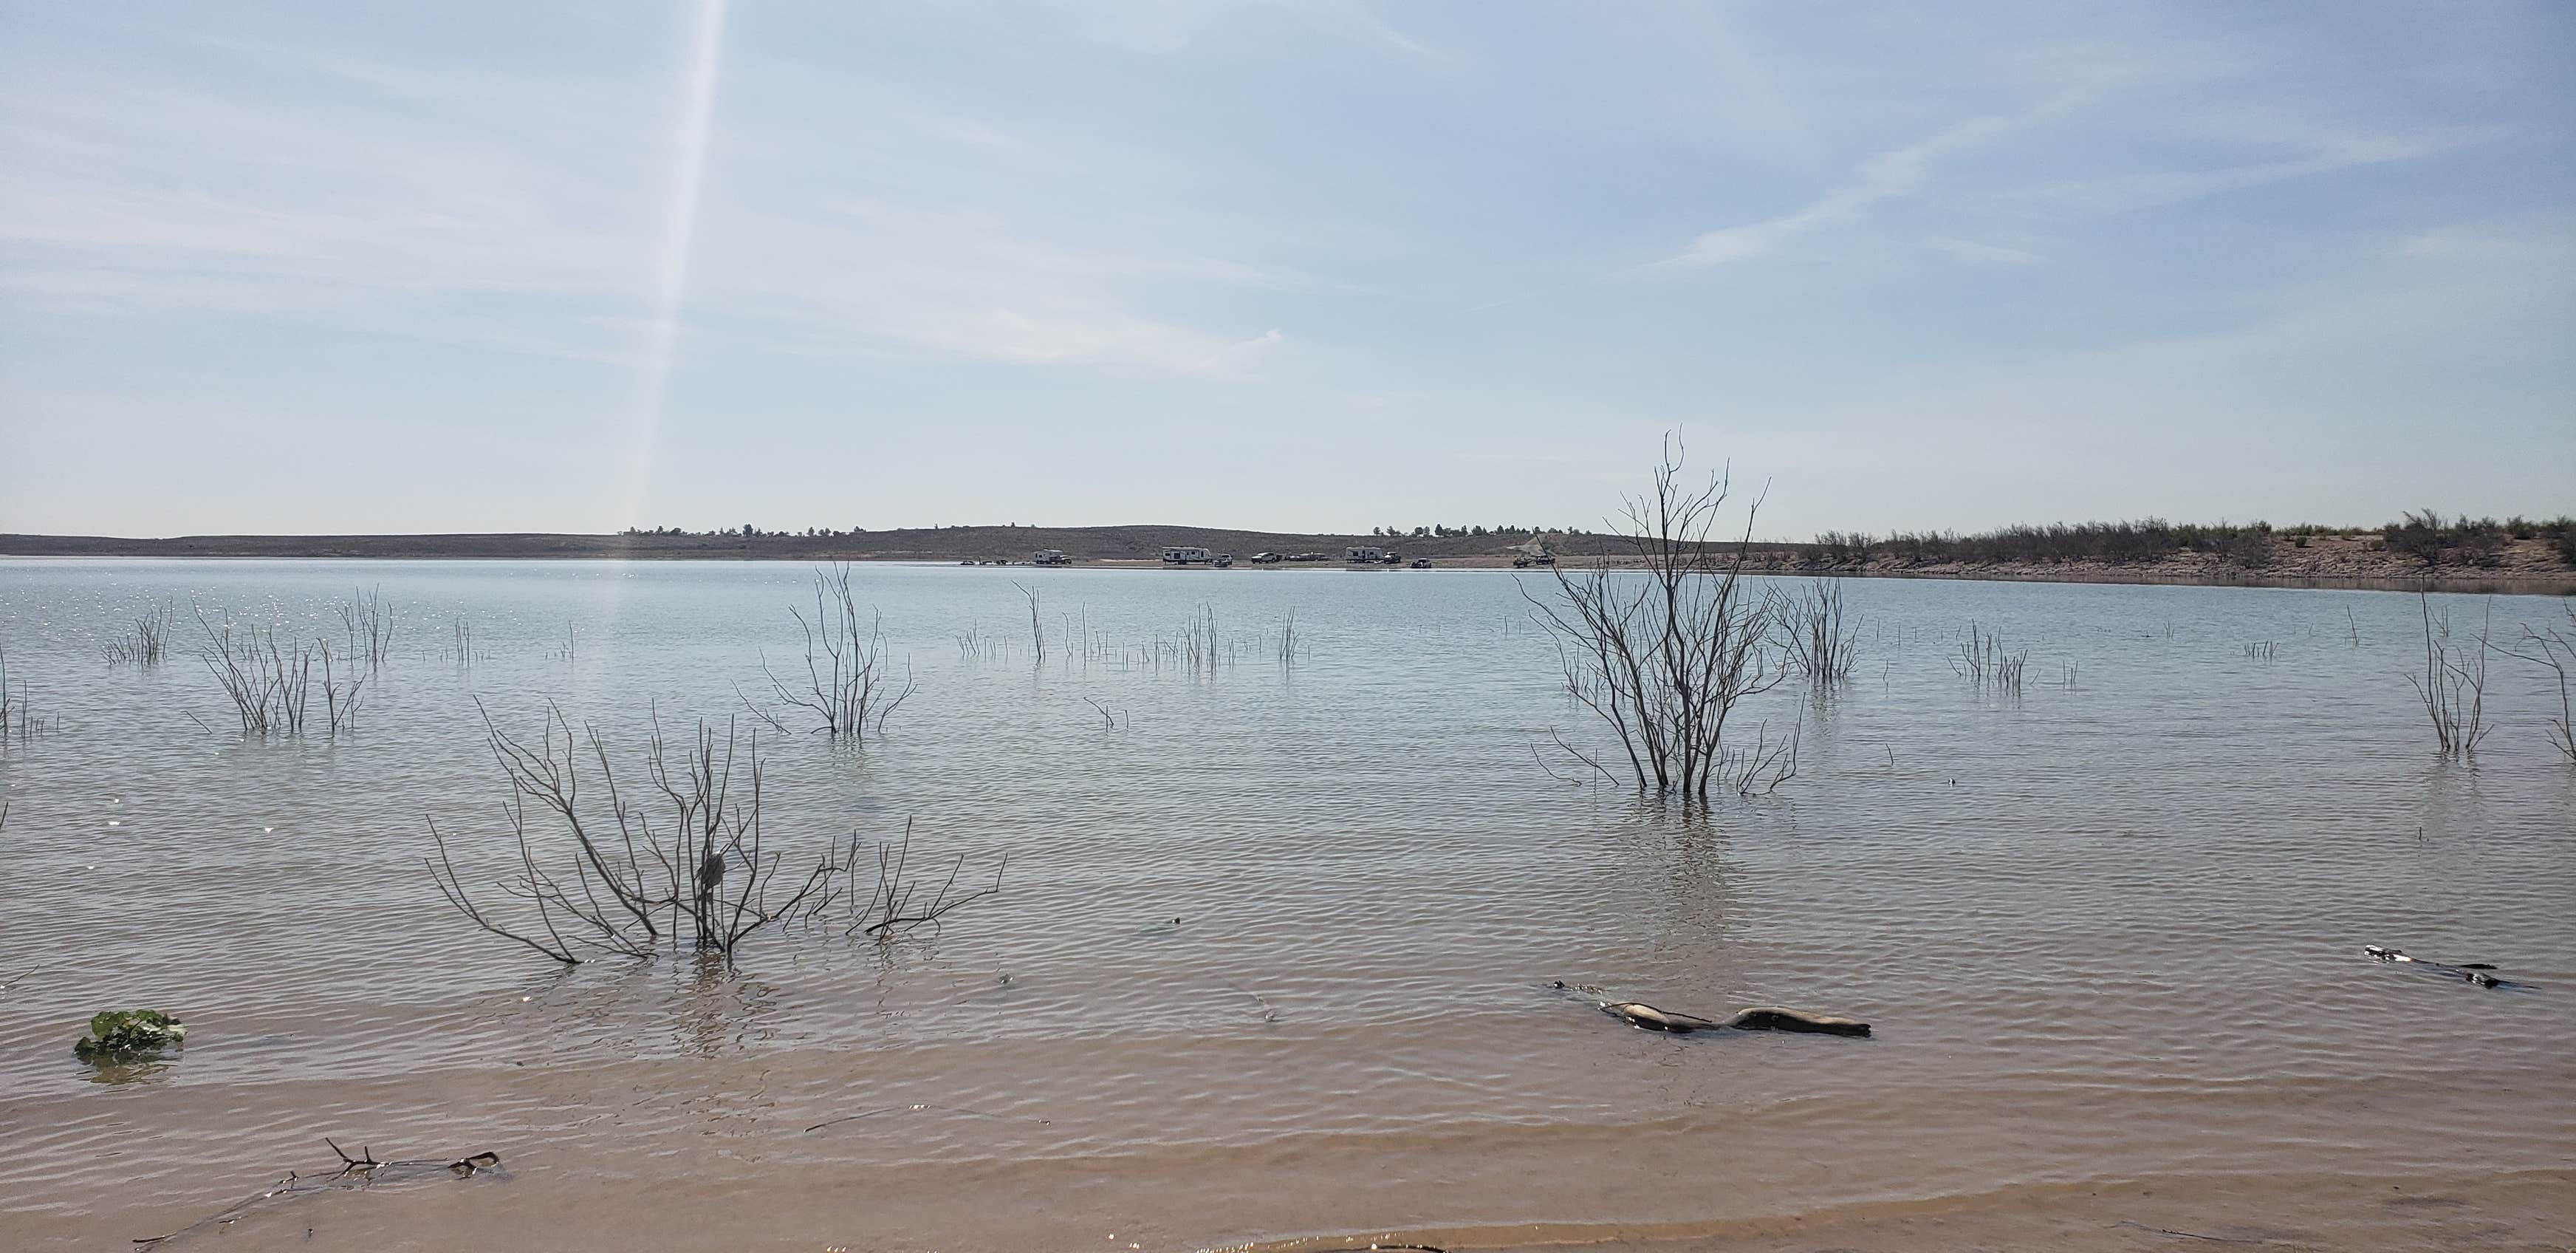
2555, 651
2453, 685
849, 683
1811, 633
1662, 650
688, 863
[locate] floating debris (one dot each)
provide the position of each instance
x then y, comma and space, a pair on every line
361, 1169
2475, 974
120, 1034
1757, 1018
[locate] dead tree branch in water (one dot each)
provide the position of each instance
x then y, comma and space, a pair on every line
894, 904
1663, 654
353, 1171
18, 720
339, 699
267, 685
142, 643
1761, 769
1982, 659
2453, 687
370, 628
1812, 634
601, 877
2555, 651
765, 718
1037, 633
848, 683
1590, 762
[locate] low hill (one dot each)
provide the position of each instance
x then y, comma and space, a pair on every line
960, 543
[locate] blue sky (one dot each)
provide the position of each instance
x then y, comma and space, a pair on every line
389, 267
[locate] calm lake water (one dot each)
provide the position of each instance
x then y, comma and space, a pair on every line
2109, 931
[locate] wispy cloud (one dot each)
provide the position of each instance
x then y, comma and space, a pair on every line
1983, 253
369, 209
1171, 26
1887, 176
2132, 191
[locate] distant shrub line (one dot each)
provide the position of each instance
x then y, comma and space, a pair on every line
2427, 536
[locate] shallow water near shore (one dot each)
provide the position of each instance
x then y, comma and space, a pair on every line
2108, 930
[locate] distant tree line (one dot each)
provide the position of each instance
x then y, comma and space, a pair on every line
748, 531
1440, 531
2427, 536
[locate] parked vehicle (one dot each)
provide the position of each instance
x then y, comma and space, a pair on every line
1184, 555
1225, 561
1521, 562
1266, 559
1364, 555
1422, 563
1051, 557
1307, 557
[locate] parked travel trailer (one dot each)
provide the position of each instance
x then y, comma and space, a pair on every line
1183, 555
1051, 557
1364, 555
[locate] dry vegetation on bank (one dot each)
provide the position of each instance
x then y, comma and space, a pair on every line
2424, 548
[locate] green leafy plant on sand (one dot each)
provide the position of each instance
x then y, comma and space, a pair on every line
123, 1033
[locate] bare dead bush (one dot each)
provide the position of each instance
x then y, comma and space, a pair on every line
268, 685
143, 641
1663, 649
849, 682
2453, 686
19, 721
340, 693
1812, 635
604, 875
1983, 660
369, 626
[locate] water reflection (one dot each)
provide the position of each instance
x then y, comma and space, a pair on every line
721, 1009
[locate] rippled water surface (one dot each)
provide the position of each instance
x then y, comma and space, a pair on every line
2108, 930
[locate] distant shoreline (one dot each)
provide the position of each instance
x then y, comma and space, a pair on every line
2523, 568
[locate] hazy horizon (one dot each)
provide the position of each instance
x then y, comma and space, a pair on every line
1760, 535
291, 268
